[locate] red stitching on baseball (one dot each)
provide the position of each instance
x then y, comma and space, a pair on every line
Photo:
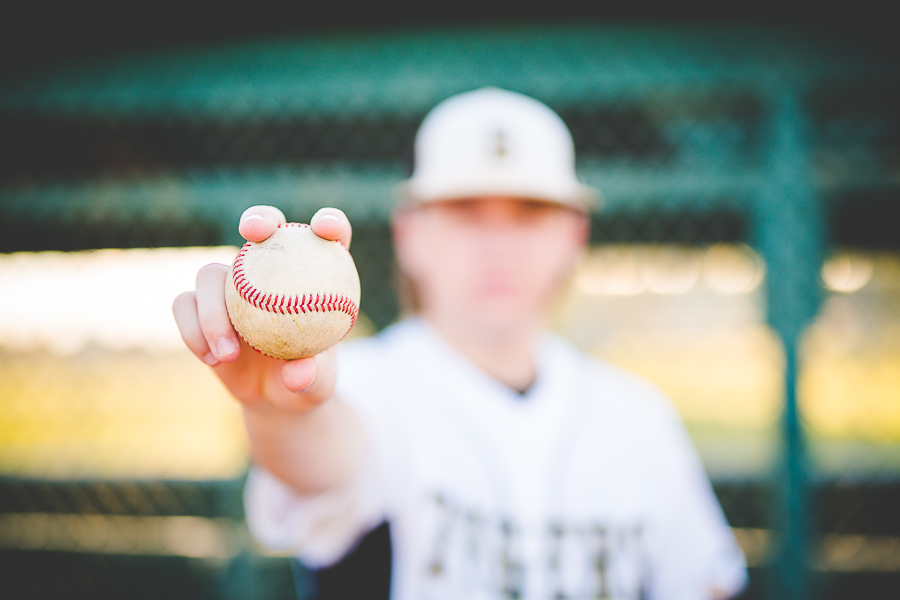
293, 304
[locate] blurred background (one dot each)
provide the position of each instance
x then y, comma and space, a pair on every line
746, 259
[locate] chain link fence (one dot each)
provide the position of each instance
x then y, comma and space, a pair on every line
745, 258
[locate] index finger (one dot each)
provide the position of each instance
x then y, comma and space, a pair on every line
332, 224
259, 222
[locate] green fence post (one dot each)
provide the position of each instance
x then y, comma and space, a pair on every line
790, 229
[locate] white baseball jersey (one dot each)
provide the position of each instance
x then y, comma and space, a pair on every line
587, 486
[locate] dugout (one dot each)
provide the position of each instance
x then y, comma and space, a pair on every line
779, 144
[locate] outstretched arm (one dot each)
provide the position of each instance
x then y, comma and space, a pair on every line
298, 431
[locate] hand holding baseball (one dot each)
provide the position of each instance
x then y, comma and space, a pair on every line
251, 376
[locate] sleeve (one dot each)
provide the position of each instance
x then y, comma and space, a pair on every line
320, 529
697, 552
317, 529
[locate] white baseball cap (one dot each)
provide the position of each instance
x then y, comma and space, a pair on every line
493, 142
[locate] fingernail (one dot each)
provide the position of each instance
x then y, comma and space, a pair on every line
224, 347
308, 385
210, 359
330, 217
253, 217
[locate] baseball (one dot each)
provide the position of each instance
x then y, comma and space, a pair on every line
294, 294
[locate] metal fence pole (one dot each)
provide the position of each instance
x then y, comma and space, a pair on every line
790, 229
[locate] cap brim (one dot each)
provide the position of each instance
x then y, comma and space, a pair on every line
586, 198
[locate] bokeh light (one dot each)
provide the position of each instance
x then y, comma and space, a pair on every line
732, 269
113, 299
847, 272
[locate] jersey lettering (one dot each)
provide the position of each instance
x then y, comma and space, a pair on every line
472, 550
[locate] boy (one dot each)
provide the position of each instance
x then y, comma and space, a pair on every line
508, 464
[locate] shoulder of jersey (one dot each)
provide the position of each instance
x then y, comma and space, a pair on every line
610, 385
628, 392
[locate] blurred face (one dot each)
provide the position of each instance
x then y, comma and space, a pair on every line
489, 265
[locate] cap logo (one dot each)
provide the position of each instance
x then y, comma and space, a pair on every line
500, 150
